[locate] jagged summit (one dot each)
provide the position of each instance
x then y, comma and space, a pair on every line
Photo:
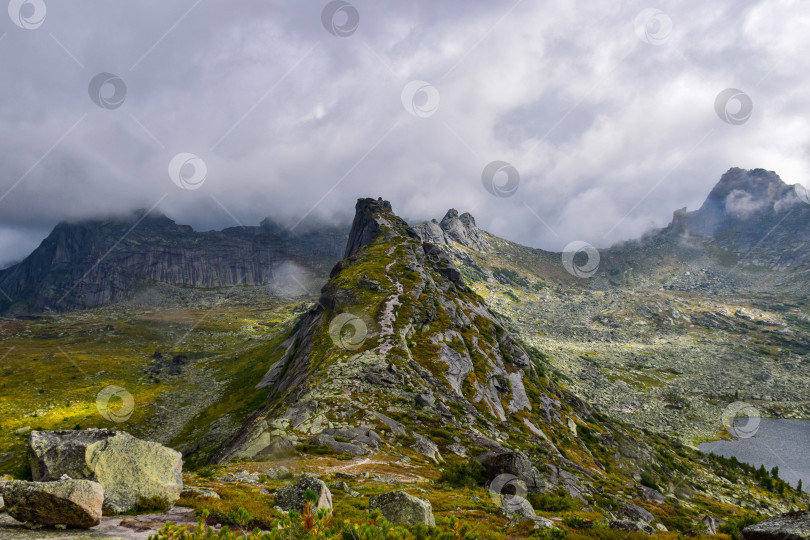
454, 228
371, 219
739, 195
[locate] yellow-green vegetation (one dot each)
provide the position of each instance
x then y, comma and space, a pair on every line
462, 510
54, 366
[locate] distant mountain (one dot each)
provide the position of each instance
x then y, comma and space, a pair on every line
95, 262
750, 219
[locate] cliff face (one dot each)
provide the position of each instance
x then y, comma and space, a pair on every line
91, 263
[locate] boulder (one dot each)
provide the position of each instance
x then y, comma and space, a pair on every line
279, 473
515, 506
133, 472
637, 513
341, 447
630, 526
293, 497
278, 447
427, 448
400, 507
711, 523
514, 463
395, 427
652, 495
199, 493
73, 503
791, 526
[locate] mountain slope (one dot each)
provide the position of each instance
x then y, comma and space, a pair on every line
400, 361
674, 327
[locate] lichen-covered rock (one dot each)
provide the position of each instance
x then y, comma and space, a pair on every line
279, 473
73, 503
637, 513
400, 507
630, 526
199, 493
515, 506
427, 448
652, 495
341, 447
293, 497
133, 472
791, 526
355, 441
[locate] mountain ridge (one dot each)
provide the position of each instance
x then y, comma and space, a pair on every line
95, 262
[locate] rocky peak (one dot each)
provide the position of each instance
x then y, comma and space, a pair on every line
372, 218
739, 195
454, 229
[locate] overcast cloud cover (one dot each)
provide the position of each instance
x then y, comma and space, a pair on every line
609, 133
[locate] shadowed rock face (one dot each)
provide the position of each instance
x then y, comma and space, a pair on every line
74, 503
791, 526
91, 263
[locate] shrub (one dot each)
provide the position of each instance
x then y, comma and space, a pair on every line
156, 503
206, 472
550, 534
734, 525
462, 474
551, 502
647, 479
576, 522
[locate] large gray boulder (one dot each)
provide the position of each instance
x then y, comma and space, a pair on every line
514, 463
133, 472
74, 503
637, 513
293, 497
791, 526
627, 525
400, 507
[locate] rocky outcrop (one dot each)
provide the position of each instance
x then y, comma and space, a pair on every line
95, 262
133, 472
400, 507
791, 526
515, 464
72, 503
372, 218
354, 441
454, 229
293, 497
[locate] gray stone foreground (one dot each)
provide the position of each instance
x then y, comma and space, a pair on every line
121, 527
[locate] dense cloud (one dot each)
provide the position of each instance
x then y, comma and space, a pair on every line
610, 124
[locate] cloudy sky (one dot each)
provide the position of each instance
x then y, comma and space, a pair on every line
605, 113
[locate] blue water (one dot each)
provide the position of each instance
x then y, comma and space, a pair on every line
777, 443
